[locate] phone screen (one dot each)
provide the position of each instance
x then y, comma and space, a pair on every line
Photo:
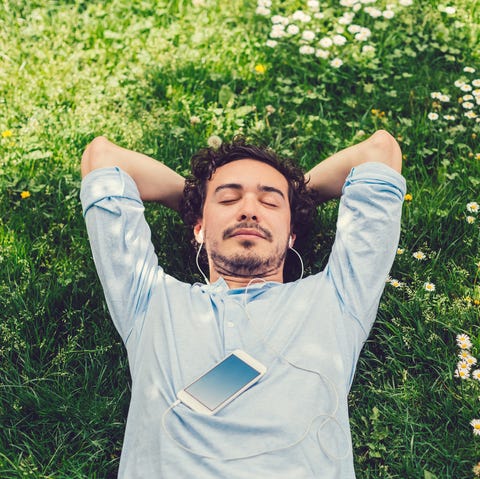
222, 382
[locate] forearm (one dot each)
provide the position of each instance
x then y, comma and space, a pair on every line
328, 177
155, 181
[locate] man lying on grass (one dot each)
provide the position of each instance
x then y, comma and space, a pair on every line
246, 207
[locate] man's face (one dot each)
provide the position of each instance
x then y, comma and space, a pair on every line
246, 221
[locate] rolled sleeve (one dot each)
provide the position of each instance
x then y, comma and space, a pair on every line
120, 240
368, 231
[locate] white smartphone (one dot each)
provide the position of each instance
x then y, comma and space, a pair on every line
223, 383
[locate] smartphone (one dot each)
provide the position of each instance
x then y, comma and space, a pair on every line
223, 383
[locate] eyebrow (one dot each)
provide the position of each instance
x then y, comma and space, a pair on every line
237, 186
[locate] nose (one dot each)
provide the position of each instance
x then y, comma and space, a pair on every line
248, 209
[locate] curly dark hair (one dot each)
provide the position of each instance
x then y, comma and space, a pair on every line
204, 164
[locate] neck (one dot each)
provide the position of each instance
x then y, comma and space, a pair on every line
235, 282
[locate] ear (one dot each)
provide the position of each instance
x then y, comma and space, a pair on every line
291, 240
198, 232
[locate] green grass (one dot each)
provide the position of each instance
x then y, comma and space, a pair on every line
138, 72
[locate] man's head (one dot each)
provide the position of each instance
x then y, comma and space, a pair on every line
247, 206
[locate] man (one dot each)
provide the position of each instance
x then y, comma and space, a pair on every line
244, 209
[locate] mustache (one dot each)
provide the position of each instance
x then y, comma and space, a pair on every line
246, 225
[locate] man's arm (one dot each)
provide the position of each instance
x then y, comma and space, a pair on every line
327, 178
155, 181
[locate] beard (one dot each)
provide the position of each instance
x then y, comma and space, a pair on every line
247, 263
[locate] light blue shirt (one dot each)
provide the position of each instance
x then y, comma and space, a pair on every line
294, 422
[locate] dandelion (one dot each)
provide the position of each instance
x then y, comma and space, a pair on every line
470, 220
430, 287
419, 255
473, 207
463, 341
433, 116
408, 197
25, 194
260, 69
400, 250
475, 423
7, 133
214, 142
336, 63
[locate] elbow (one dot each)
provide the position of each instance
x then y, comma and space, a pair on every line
94, 155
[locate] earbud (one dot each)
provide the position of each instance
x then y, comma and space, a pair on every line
200, 236
290, 241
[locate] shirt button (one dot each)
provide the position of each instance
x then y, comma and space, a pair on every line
230, 324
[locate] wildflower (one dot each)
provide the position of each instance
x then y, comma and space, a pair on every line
450, 10
470, 114
466, 87
476, 82
322, 53
476, 374
260, 69
395, 283
449, 117
400, 250
271, 43
325, 42
470, 220
473, 207
313, 4
339, 40
463, 354
368, 49
279, 19
194, 120
469, 70
430, 287
292, 29
462, 373
25, 194
475, 423
214, 142
433, 116
468, 105
301, 16
408, 197
336, 63
7, 133
262, 11
476, 470
406, 3
270, 109
459, 83
373, 12
444, 98
470, 360
435, 95
388, 14
308, 35
463, 341
306, 50
419, 255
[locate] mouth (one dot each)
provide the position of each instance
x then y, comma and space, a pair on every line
244, 231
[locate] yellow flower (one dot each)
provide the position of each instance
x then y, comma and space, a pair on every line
7, 134
25, 194
477, 156
400, 250
408, 197
260, 69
